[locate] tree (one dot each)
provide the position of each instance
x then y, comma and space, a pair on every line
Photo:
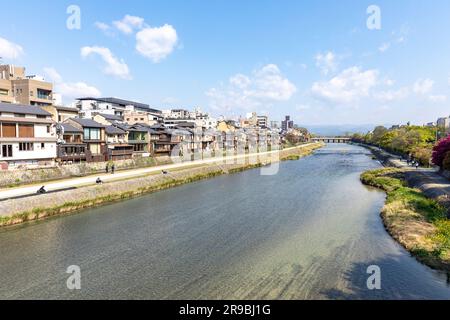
378, 133
440, 151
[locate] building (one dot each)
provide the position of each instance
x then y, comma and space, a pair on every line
287, 124
275, 124
139, 116
94, 137
107, 119
262, 121
27, 135
117, 145
15, 87
175, 117
60, 113
89, 106
176, 114
71, 147
137, 137
443, 123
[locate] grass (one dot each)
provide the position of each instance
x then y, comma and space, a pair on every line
419, 223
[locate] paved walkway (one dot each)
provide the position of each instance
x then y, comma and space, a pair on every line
121, 175
428, 180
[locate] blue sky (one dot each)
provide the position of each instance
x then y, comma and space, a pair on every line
314, 60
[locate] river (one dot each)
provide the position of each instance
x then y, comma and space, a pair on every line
308, 232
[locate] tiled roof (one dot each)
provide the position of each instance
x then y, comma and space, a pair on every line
114, 130
88, 123
69, 128
22, 109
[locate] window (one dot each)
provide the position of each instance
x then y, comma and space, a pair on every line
25, 146
42, 145
7, 151
91, 134
43, 94
3, 92
94, 148
48, 129
9, 130
95, 134
26, 130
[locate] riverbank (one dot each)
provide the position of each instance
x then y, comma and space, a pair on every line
417, 222
15, 211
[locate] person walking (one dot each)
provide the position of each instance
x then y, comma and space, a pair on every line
417, 165
113, 168
107, 168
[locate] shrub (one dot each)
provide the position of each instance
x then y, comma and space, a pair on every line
440, 150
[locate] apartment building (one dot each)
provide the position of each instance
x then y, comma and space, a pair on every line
16, 87
89, 106
287, 124
262, 121
27, 136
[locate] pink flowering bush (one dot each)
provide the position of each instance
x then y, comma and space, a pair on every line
440, 151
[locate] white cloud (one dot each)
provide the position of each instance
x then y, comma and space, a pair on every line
77, 90
129, 23
438, 98
392, 95
240, 81
53, 75
102, 26
113, 66
423, 86
10, 50
326, 62
156, 43
73, 90
262, 87
384, 47
268, 82
349, 86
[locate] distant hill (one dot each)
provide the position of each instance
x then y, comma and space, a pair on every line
340, 130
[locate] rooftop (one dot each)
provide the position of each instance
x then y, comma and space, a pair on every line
88, 123
123, 103
70, 129
114, 130
23, 109
111, 117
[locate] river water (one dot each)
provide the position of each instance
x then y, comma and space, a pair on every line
308, 232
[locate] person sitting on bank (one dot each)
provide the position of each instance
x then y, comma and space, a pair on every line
98, 181
164, 172
42, 190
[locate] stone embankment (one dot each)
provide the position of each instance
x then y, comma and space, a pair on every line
14, 178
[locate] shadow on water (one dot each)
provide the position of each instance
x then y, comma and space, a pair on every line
395, 283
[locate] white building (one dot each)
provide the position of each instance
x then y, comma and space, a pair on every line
201, 119
443, 123
89, 106
27, 136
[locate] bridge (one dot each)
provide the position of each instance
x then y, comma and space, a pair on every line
332, 139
